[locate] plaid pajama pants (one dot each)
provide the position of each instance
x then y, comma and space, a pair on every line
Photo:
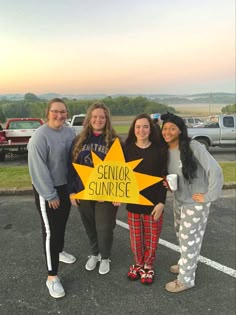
144, 237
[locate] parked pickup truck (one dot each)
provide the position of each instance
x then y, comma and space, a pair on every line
77, 123
219, 130
15, 137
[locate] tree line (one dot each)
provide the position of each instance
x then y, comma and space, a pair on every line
32, 106
229, 109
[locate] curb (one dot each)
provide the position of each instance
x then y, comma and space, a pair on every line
230, 185
16, 191
29, 191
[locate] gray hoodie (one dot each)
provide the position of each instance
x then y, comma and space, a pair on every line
209, 177
48, 151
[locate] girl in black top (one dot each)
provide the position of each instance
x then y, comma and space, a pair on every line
145, 222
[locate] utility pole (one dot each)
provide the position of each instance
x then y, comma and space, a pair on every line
210, 103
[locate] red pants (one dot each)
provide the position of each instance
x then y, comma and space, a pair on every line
144, 237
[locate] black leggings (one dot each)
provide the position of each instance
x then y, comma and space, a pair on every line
53, 226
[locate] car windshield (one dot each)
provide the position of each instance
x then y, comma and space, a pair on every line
198, 120
27, 124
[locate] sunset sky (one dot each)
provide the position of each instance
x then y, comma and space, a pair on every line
117, 46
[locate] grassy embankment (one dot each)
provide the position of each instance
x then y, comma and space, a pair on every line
18, 176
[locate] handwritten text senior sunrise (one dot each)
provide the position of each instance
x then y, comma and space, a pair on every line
111, 180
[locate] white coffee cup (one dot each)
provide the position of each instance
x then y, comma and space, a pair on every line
9, 142
172, 180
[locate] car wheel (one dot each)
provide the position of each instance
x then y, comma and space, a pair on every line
204, 143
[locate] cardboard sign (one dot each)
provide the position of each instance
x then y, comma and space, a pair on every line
113, 179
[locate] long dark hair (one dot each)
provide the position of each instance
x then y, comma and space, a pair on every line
154, 136
189, 163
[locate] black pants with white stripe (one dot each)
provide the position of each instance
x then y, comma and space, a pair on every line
53, 226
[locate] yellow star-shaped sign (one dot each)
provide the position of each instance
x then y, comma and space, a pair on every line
113, 179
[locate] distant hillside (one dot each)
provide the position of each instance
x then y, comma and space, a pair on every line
214, 98
208, 98
14, 97
72, 96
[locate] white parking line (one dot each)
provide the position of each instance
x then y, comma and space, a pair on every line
229, 271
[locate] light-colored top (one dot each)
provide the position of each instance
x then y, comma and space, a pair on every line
48, 151
209, 177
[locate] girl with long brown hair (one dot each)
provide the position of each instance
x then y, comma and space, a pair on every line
99, 218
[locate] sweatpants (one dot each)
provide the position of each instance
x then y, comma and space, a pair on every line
53, 226
190, 224
144, 237
99, 220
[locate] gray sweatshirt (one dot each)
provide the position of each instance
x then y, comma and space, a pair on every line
209, 178
48, 151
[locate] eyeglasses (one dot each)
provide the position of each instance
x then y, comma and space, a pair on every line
56, 112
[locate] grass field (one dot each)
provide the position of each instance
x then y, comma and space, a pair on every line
15, 176
229, 170
18, 176
122, 129
122, 123
198, 110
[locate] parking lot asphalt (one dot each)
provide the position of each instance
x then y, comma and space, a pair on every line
23, 272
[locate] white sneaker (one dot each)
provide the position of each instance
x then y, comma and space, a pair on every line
104, 266
66, 258
92, 262
55, 288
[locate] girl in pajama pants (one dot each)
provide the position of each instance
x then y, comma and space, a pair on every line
145, 222
200, 181
190, 223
